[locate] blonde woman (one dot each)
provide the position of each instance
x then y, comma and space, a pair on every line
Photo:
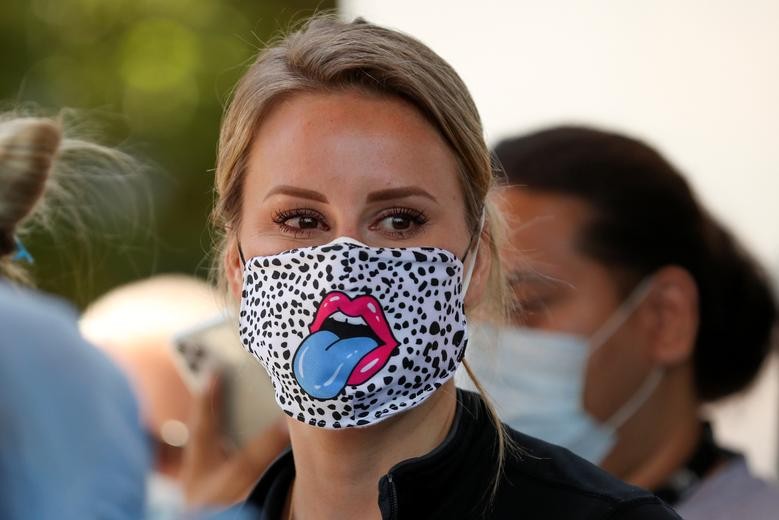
71, 444
352, 177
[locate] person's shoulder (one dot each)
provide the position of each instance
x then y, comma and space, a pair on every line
41, 330
53, 385
732, 490
564, 483
24, 307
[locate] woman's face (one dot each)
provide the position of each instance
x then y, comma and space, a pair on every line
326, 165
561, 289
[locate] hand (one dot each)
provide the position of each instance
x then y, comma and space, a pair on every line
213, 475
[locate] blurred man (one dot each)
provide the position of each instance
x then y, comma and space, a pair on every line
135, 324
636, 309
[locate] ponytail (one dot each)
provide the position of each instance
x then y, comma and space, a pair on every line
28, 147
27, 150
738, 316
47, 179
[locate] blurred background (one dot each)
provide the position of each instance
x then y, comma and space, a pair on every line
151, 77
699, 79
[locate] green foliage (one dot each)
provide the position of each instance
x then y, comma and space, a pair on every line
150, 76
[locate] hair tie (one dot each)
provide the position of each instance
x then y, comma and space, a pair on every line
21, 252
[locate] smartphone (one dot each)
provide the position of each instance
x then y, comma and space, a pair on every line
213, 347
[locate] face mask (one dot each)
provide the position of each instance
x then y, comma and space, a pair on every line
536, 379
352, 334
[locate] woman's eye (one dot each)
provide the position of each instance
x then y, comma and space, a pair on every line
527, 300
397, 223
299, 221
400, 222
303, 222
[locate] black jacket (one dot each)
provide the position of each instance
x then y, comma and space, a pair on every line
453, 481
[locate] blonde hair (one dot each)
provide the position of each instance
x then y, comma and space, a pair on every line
328, 55
28, 147
40, 174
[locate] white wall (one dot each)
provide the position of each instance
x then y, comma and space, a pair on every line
697, 78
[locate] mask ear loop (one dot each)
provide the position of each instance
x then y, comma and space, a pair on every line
650, 383
637, 400
240, 255
619, 317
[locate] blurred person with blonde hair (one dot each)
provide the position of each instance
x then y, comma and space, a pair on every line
71, 444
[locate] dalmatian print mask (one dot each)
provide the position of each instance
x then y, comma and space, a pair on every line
351, 334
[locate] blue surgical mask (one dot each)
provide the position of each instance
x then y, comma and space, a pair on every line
536, 380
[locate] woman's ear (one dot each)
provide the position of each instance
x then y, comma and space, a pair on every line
233, 267
672, 316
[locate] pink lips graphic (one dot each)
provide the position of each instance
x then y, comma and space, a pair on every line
368, 308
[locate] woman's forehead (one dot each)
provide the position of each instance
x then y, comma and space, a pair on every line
323, 140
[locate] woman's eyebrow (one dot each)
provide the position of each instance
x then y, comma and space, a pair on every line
398, 193
283, 189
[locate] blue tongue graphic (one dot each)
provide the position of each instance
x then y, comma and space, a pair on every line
324, 361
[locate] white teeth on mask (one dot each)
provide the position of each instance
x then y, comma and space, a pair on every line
343, 318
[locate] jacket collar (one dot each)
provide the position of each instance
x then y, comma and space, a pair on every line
452, 481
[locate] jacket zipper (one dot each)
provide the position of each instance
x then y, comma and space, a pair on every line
393, 499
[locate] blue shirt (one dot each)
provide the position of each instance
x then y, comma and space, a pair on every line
71, 441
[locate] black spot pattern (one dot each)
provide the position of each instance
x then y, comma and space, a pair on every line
421, 295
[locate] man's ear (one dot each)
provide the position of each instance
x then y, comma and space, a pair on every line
671, 315
233, 268
481, 272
